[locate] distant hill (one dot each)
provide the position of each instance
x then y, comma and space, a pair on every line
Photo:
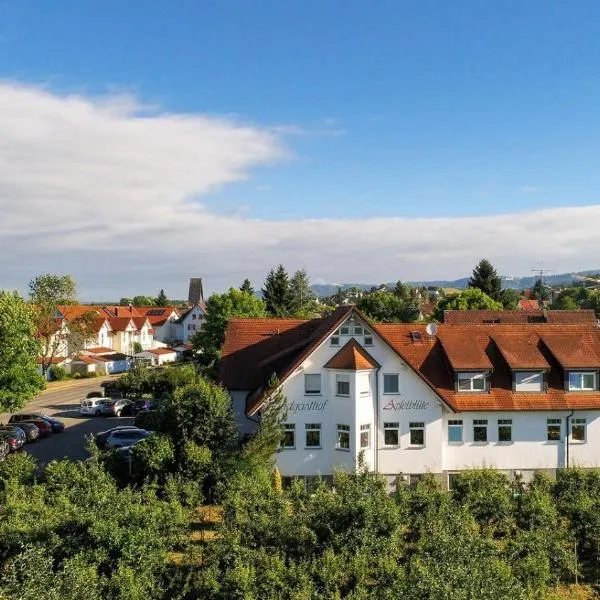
518, 283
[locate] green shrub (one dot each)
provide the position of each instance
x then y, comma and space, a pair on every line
57, 373
95, 394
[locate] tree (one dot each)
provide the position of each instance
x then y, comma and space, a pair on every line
246, 287
486, 279
142, 301
161, 299
53, 296
19, 378
302, 302
219, 309
277, 293
510, 298
468, 299
539, 291
125, 301
387, 307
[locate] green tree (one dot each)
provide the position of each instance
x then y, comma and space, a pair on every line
277, 293
387, 307
468, 299
138, 301
161, 299
19, 378
510, 298
540, 291
219, 309
246, 287
486, 279
125, 301
302, 297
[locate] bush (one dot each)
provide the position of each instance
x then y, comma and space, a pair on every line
91, 375
95, 394
57, 373
147, 419
77, 375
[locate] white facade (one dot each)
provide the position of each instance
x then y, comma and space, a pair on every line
527, 440
189, 323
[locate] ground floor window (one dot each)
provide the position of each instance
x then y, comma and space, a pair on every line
343, 437
578, 430
553, 430
417, 434
505, 430
313, 435
455, 431
365, 436
391, 435
480, 430
289, 435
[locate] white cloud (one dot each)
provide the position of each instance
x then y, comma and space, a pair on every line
108, 189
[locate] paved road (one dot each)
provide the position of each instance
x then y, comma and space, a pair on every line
64, 403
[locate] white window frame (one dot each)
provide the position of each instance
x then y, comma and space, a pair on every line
368, 337
581, 375
335, 338
358, 330
525, 386
311, 427
505, 423
345, 330
342, 429
392, 426
342, 378
481, 423
471, 377
397, 376
310, 392
456, 424
553, 423
416, 426
288, 427
579, 422
365, 429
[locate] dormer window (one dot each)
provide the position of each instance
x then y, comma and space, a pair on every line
471, 382
581, 381
335, 338
529, 381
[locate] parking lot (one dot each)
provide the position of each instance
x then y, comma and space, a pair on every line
63, 402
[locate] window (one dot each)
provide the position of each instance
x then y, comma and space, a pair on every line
391, 384
193, 317
343, 437
313, 435
582, 380
365, 436
455, 431
368, 337
358, 330
364, 384
471, 382
529, 381
312, 383
335, 340
480, 430
342, 385
344, 330
505, 430
553, 430
578, 430
417, 434
391, 434
289, 435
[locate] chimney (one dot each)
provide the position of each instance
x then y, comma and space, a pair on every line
196, 293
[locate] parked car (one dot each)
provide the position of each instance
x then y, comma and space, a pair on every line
115, 407
14, 440
119, 437
55, 425
4, 449
142, 404
91, 407
18, 431
43, 425
31, 431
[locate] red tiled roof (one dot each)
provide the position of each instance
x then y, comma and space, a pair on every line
352, 357
99, 350
88, 360
120, 323
55, 360
254, 349
528, 304
504, 317
162, 351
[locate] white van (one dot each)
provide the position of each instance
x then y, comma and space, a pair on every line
91, 406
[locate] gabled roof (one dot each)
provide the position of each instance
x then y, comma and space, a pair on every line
574, 349
511, 317
465, 352
158, 351
121, 323
521, 351
352, 357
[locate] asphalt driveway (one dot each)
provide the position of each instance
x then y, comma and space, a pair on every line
63, 402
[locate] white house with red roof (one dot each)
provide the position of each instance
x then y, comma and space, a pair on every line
157, 356
190, 321
515, 396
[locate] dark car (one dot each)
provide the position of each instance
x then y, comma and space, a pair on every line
55, 425
14, 440
120, 436
31, 432
115, 407
142, 404
43, 425
4, 449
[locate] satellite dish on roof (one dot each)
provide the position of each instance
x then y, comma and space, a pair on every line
431, 329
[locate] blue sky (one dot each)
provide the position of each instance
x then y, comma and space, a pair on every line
410, 110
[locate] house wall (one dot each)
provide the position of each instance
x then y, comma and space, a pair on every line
191, 323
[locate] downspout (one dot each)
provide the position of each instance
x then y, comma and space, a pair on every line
376, 421
567, 445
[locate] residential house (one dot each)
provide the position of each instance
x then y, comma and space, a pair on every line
190, 321
163, 323
519, 397
157, 356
